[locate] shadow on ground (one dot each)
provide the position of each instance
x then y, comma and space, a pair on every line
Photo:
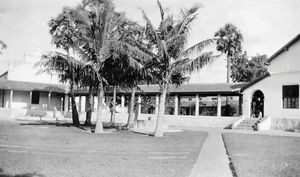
66, 124
20, 175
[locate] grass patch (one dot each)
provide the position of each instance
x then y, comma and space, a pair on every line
51, 150
262, 155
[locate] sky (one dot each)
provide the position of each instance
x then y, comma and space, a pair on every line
266, 25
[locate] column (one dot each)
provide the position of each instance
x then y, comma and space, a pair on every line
140, 104
197, 105
79, 104
176, 106
49, 100
30, 100
11, 98
156, 103
66, 103
122, 103
219, 113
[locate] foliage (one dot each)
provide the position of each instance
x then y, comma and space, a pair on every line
171, 57
2, 46
230, 43
36, 113
245, 70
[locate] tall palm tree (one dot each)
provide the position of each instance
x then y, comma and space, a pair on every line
97, 21
172, 59
64, 36
230, 44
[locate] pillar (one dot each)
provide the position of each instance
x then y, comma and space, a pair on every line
79, 104
11, 98
197, 105
66, 102
30, 100
176, 106
49, 100
140, 104
156, 103
122, 103
219, 108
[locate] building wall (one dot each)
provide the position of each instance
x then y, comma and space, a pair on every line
272, 89
287, 61
27, 71
20, 99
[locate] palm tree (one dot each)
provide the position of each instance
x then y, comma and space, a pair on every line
172, 59
64, 36
66, 67
97, 21
230, 43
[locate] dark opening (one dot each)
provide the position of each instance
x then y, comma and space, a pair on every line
35, 97
257, 105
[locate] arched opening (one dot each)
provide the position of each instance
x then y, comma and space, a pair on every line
257, 104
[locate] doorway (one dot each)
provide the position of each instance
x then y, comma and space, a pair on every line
257, 104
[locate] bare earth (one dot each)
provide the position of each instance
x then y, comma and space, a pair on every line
40, 149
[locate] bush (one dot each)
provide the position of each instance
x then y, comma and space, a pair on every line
36, 113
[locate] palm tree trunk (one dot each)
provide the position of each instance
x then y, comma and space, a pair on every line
161, 111
228, 69
228, 75
130, 121
113, 111
75, 117
99, 125
89, 107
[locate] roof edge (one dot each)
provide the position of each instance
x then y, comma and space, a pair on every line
284, 48
255, 81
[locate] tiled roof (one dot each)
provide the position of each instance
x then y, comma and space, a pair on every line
31, 86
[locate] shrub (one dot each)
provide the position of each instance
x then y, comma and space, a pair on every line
36, 113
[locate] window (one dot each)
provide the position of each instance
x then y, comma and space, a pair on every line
290, 96
35, 97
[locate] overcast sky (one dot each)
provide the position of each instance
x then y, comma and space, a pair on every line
265, 24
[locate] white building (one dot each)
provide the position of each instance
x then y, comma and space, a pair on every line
276, 95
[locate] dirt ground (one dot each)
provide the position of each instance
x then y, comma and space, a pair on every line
30, 149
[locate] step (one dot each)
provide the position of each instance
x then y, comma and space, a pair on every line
244, 128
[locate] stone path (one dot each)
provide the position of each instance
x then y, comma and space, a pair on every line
213, 160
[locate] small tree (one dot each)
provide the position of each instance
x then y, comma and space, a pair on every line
245, 70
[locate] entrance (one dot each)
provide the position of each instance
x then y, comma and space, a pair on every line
257, 104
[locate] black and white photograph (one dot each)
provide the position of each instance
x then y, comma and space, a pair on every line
149, 88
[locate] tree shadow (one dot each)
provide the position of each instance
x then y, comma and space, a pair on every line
2, 174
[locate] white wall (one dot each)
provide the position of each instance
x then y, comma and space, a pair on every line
272, 89
287, 61
26, 71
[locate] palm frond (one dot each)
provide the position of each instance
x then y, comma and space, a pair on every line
162, 13
198, 48
188, 65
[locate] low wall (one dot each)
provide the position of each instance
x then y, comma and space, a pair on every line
150, 119
285, 124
